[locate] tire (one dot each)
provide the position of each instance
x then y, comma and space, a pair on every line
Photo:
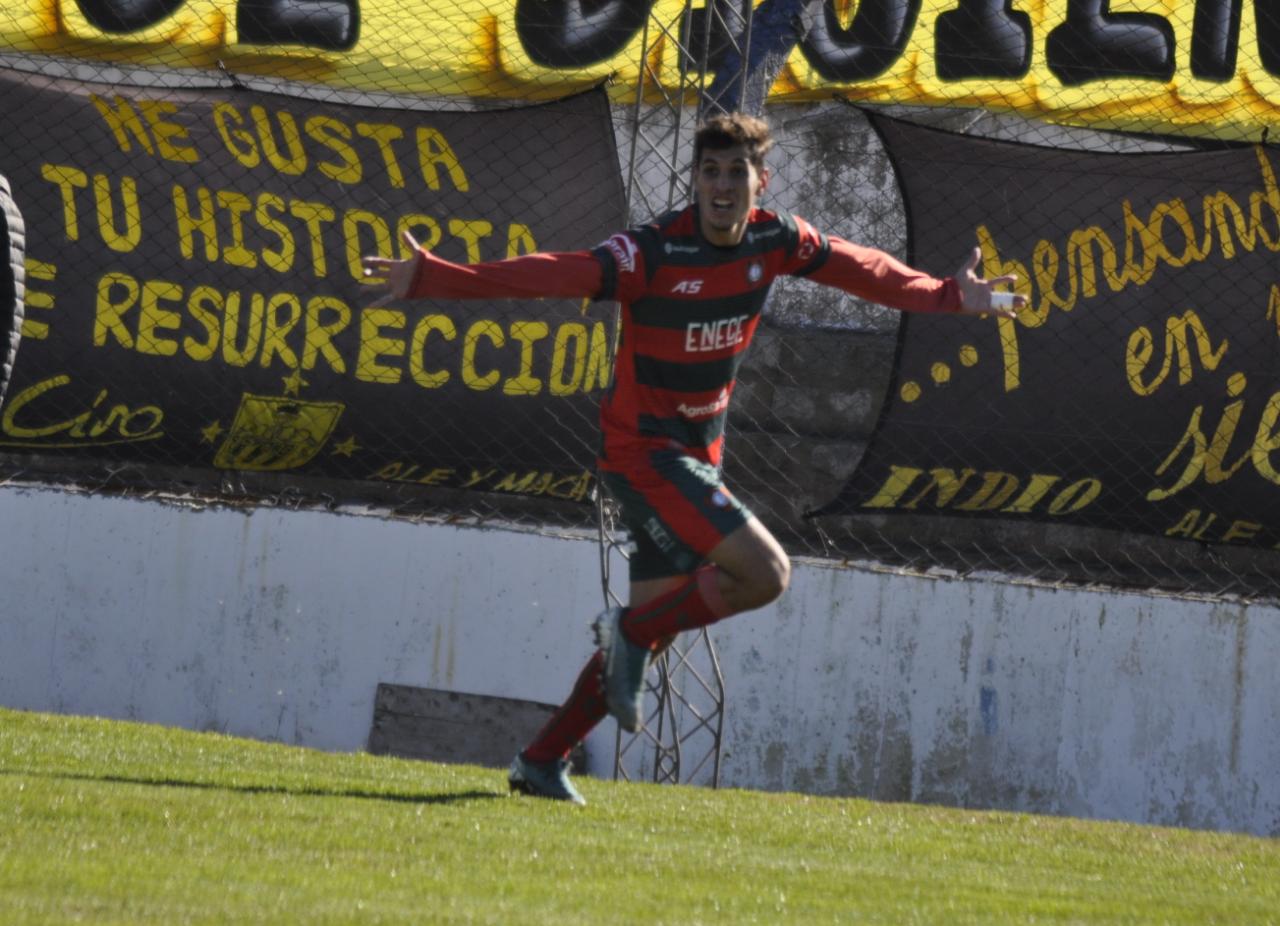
13, 239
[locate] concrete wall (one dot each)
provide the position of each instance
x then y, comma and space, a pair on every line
279, 625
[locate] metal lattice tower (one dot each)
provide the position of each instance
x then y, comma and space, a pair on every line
685, 697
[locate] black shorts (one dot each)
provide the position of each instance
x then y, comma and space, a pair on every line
676, 509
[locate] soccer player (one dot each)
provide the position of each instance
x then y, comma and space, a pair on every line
692, 285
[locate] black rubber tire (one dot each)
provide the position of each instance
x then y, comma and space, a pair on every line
13, 288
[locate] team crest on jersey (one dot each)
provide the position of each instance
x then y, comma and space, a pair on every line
624, 252
721, 498
755, 271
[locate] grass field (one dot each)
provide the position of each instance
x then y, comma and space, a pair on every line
109, 822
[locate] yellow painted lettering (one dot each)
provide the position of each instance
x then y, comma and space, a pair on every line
24, 398
352, 221
190, 223
520, 240
566, 378
279, 259
894, 487
1267, 441
1186, 524
1192, 438
123, 241
37, 299
294, 161
514, 482
438, 476
154, 319
108, 316
204, 304
238, 140
572, 487
236, 205
434, 152
1137, 354
314, 215
124, 123
1076, 496
1084, 246
1036, 489
429, 379
235, 354
994, 265
1204, 527
945, 483
1214, 470
1268, 197
599, 360
996, 489
524, 382
1186, 339
492, 332
1046, 264
1189, 323
425, 230
390, 472
374, 345
283, 312
1241, 530
1175, 211
68, 179
167, 133
477, 476
383, 136
320, 333
336, 136
471, 231
95, 429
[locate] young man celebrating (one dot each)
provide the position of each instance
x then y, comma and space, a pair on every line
692, 285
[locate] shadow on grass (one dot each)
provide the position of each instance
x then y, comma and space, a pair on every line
445, 797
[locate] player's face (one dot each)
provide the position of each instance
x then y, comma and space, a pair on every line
727, 185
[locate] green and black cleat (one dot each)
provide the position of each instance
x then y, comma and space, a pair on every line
543, 779
624, 666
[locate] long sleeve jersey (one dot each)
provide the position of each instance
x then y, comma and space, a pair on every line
689, 312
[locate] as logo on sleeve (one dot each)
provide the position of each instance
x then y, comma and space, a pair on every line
624, 252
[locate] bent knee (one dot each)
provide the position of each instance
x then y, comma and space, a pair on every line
771, 580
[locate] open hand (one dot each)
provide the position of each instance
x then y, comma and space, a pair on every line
975, 292
395, 276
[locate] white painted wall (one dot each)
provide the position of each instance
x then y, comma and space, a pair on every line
279, 625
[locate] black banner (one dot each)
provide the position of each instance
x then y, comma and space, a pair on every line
194, 295
1140, 390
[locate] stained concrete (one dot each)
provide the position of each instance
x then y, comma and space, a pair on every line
977, 692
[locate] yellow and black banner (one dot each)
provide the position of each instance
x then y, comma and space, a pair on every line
195, 299
1208, 67
1139, 390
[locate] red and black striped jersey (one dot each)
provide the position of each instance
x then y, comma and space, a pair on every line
689, 312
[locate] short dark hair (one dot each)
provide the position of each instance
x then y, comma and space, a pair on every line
720, 132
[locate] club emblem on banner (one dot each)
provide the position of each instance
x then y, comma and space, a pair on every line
275, 432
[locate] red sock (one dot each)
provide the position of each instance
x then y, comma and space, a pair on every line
574, 719
695, 602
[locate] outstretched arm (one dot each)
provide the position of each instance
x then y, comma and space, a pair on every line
880, 277
567, 274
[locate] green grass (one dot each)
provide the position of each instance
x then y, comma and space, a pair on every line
109, 822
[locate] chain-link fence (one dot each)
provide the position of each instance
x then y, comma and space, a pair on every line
199, 179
